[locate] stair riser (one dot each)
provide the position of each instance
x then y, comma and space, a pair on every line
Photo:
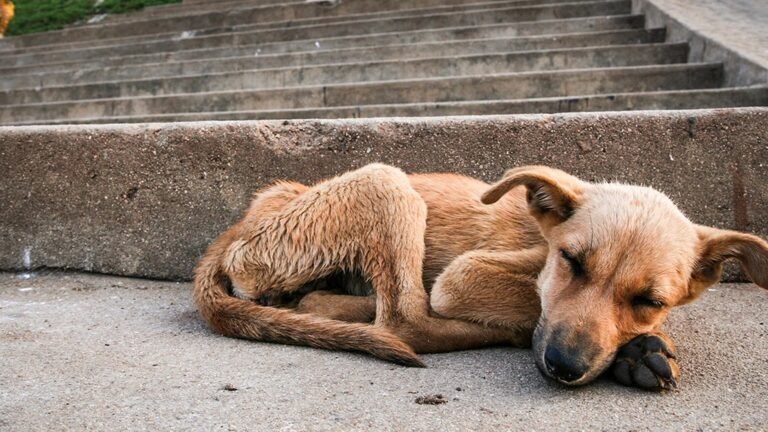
455, 89
300, 12
60, 76
211, 21
59, 42
691, 99
640, 101
362, 72
526, 86
334, 30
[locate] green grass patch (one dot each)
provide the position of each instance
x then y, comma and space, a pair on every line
41, 15
121, 6
34, 16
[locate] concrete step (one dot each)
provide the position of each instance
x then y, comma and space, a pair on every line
61, 75
209, 17
102, 198
470, 14
483, 64
182, 9
491, 87
266, 2
354, 25
160, 32
532, 33
298, 11
753, 96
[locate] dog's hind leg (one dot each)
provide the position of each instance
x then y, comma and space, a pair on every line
289, 238
342, 307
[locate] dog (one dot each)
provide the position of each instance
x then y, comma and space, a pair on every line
390, 264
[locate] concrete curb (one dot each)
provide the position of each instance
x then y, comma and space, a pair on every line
145, 200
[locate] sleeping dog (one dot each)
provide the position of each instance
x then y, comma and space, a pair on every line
391, 264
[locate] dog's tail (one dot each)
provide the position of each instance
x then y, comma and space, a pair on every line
239, 318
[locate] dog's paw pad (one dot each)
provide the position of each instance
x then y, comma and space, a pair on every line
646, 362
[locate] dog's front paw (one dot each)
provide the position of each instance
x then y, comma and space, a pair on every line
648, 362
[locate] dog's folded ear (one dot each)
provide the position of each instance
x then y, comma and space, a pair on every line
717, 246
552, 194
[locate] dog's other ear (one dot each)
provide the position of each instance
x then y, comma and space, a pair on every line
717, 246
552, 194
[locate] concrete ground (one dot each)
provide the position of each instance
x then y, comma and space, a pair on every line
84, 352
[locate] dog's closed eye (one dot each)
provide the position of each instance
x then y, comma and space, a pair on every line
644, 301
577, 268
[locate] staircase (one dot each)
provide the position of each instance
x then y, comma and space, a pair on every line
288, 59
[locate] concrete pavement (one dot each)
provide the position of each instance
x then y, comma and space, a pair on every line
85, 352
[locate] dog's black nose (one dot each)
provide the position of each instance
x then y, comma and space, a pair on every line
561, 366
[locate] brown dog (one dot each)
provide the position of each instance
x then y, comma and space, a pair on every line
393, 265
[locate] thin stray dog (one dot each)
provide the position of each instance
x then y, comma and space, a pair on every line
392, 265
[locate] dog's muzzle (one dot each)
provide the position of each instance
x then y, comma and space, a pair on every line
563, 367
567, 364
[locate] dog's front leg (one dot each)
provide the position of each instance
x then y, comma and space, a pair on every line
496, 289
647, 361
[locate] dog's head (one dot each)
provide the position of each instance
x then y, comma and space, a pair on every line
620, 258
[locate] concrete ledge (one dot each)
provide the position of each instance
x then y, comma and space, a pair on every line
145, 200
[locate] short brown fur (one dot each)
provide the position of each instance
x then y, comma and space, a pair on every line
452, 263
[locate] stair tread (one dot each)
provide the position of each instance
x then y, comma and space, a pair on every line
373, 63
212, 32
511, 75
254, 114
